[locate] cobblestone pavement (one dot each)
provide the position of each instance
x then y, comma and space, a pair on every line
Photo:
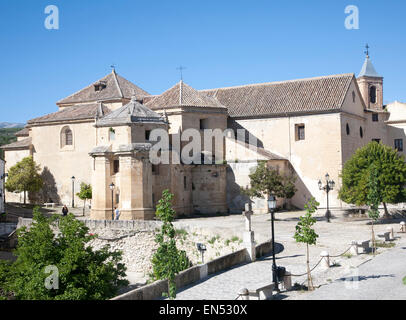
334, 238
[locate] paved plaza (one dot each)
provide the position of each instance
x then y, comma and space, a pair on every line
335, 238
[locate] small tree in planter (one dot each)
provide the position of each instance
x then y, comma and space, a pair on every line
305, 234
85, 194
373, 201
168, 260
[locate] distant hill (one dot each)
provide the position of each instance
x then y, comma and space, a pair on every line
8, 125
7, 135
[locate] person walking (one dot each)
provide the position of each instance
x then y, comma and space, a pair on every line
117, 212
65, 211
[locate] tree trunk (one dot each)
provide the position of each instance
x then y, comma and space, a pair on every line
25, 202
309, 275
386, 214
373, 239
84, 207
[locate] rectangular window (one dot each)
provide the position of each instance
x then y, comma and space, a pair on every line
377, 140
203, 124
147, 134
399, 144
155, 169
116, 166
300, 132
375, 117
117, 198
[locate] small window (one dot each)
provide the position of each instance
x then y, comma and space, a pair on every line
375, 117
147, 134
372, 94
300, 132
361, 132
116, 166
353, 97
376, 140
203, 124
347, 128
66, 137
399, 144
112, 134
155, 169
117, 198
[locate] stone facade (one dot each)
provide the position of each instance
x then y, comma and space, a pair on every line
2, 178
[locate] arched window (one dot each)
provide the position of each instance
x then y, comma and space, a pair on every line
361, 132
347, 128
372, 94
353, 97
66, 137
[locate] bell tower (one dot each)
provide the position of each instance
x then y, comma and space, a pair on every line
371, 84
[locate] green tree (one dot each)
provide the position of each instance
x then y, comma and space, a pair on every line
24, 177
305, 234
85, 194
84, 273
168, 260
267, 181
391, 178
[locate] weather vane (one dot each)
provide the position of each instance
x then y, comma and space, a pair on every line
181, 68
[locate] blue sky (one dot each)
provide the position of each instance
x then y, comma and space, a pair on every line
222, 43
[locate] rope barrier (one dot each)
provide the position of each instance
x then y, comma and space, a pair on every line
300, 275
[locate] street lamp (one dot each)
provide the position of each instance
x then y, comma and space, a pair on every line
202, 248
112, 186
330, 184
73, 191
272, 207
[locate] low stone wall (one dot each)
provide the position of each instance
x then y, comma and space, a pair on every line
136, 225
194, 274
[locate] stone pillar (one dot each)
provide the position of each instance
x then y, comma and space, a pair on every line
354, 248
244, 294
391, 233
287, 281
403, 227
325, 263
136, 186
101, 180
248, 236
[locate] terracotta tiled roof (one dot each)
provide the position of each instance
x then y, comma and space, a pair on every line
116, 87
23, 144
22, 133
182, 95
278, 98
130, 113
79, 112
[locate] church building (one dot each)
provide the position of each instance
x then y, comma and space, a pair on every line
101, 135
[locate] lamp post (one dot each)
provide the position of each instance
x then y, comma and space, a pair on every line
73, 191
272, 207
202, 248
330, 184
112, 186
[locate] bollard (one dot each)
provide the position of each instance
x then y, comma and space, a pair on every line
287, 281
325, 259
354, 248
391, 233
244, 294
403, 227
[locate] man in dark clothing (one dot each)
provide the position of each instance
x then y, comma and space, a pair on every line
65, 210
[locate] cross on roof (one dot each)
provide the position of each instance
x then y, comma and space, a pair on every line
367, 52
113, 66
181, 68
